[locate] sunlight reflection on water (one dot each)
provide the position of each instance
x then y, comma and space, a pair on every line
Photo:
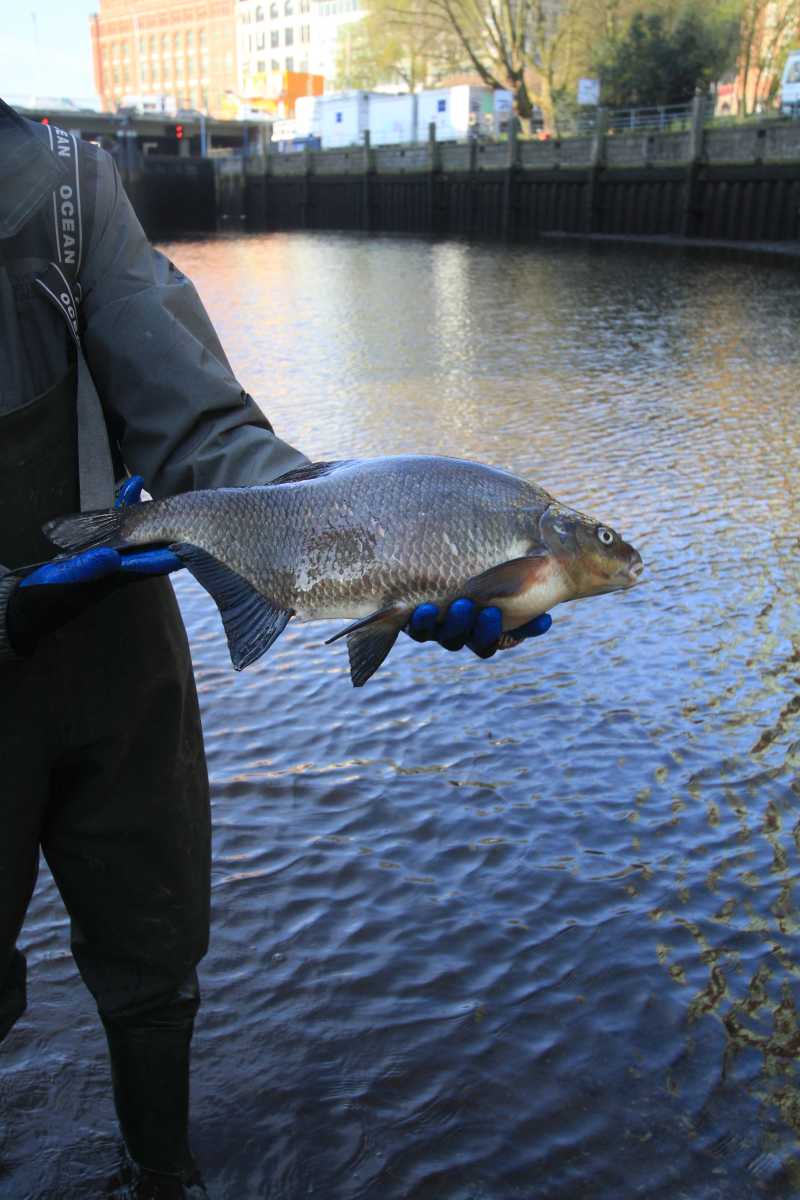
525, 928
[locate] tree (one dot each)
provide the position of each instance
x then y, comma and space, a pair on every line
664, 56
535, 48
767, 29
390, 46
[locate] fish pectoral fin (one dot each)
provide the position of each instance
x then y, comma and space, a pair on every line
508, 642
252, 623
370, 640
508, 579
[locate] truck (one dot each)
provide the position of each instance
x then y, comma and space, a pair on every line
344, 119
790, 85
464, 111
392, 118
341, 119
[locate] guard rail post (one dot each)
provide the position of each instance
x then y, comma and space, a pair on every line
305, 204
510, 182
366, 195
597, 158
690, 220
434, 163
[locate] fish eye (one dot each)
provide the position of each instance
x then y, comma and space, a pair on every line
606, 536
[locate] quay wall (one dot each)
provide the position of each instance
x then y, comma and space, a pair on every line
741, 183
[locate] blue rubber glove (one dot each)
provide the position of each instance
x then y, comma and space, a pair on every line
464, 624
53, 594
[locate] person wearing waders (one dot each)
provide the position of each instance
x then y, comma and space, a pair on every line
110, 370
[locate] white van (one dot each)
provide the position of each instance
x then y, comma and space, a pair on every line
790, 85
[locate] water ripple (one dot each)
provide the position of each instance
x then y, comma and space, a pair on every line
515, 929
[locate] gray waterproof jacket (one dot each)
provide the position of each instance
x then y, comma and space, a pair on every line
174, 411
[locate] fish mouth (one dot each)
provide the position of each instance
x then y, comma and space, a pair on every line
634, 569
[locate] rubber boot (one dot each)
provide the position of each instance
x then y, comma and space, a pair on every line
155, 1185
150, 1077
12, 994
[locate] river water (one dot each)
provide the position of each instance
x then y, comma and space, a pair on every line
524, 929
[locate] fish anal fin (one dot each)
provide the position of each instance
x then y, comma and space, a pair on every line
252, 622
511, 578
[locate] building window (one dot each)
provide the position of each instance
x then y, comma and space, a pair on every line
288, 37
274, 39
164, 43
288, 8
275, 65
273, 10
305, 33
290, 63
260, 66
152, 43
259, 13
201, 39
176, 41
305, 6
260, 41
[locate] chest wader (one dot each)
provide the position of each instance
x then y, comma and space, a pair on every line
103, 768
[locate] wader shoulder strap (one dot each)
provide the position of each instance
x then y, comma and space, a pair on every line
71, 222
95, 466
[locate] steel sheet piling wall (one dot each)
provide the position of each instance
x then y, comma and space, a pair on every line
738, 202
617, 186
738, 183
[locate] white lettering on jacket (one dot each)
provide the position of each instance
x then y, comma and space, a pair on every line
63, 143
67, 223
67, 305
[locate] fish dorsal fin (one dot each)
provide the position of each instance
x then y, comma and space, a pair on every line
252, 623
508, 579
370, 640
310, 471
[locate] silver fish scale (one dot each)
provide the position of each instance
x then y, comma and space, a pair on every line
361, 535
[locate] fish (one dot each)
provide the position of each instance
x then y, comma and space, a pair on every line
367, 540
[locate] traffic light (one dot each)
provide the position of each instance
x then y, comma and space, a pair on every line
45, 121
179, 132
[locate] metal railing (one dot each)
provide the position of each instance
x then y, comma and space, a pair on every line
662, 118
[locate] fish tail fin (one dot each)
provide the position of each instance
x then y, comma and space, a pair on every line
84, 531
370, 640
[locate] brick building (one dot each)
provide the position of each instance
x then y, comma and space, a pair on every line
165, 55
